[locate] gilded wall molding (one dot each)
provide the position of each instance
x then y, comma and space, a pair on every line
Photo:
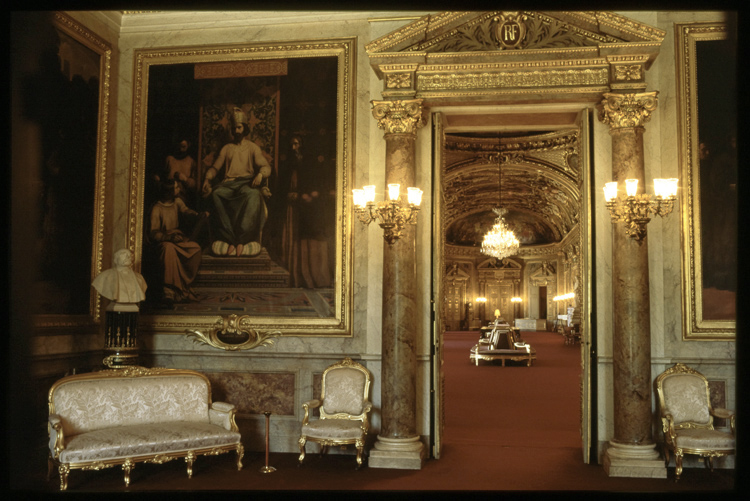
537, 78
627, 110
398, 116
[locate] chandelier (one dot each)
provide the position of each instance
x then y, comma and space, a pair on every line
500, 242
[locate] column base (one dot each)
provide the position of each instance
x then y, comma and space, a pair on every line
634, 461
397, 453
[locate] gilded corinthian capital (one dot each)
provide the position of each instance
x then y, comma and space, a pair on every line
398, 117
627, 110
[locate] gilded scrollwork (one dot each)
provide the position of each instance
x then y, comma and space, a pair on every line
398, 116
627, 110
233, 333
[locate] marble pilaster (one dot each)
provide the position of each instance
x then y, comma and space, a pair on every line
632, 451
398, 445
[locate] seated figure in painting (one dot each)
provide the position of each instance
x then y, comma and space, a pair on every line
236, 201
179, 256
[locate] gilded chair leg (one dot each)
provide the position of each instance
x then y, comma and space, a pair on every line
302, 442
360, 450
710, 463
127, 467
240, 454
190, 459
666, 457
50, 465
63, 470
678, 466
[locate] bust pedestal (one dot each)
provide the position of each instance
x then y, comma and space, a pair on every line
120, 335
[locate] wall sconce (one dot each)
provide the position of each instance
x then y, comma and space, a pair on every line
391, 214
481, 300
563, 297
515, 300
634, 210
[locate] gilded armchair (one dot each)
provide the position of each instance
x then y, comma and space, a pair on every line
344, 405
687, 418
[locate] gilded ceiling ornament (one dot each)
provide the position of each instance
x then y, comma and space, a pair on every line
398, 116
627, 110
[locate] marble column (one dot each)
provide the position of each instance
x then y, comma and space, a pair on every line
398, 444
632, 452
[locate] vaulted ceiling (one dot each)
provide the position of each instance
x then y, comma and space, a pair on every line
534, 175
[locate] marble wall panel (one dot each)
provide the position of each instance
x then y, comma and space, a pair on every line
255, 392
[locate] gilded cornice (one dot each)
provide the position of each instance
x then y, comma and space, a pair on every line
629, 26
536, 79
627, 110
398, 116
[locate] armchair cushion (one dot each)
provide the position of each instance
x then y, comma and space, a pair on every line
145, 439
333, 429
700, 438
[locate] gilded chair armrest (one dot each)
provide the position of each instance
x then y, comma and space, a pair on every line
722, 413
367, 407
222, 414
725, 414
310, 404
668, 426
56, 436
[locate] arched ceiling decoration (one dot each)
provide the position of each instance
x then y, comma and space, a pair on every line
539, 182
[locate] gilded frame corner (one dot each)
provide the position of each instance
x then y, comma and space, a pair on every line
695, 327
103, 51
339, 324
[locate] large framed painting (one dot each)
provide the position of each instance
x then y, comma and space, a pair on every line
706, 62
241, 158
69, 100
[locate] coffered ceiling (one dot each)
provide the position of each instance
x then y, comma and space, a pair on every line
535, 175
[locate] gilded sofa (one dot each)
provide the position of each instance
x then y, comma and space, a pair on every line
126, 416
503, 344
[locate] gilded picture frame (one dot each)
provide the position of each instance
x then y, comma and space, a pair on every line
707, 119
73, 181
268, 76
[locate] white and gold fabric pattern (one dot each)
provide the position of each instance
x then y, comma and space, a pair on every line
687, 418
125, 416
344, 406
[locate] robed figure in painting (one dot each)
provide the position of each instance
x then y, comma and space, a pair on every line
236, 201
310, 200
179, 256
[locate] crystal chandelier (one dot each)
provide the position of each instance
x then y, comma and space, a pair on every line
500, 242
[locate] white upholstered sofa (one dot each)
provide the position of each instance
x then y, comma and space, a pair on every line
125, 416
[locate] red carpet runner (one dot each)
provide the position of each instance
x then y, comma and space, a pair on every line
515, 405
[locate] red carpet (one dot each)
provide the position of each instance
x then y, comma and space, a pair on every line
515, 405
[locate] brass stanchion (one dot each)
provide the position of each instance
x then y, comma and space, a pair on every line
266, 468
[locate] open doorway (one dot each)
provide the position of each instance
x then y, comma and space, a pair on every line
543, 176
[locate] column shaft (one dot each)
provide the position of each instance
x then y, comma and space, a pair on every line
632, 315
399, 306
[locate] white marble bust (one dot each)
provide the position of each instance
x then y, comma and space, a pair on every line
121, 285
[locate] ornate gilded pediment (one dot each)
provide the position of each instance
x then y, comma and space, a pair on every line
452, 56
513, 30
